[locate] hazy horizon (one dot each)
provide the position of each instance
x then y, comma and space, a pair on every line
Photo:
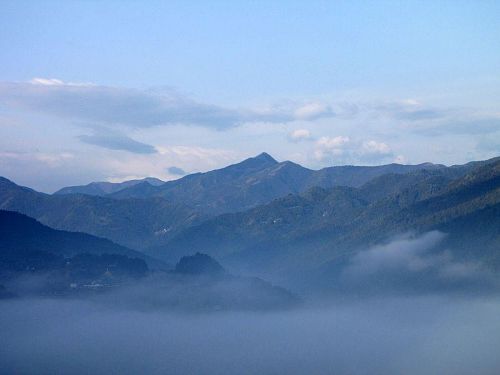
179, 175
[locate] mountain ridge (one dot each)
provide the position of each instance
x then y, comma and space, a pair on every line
23, 232
307, 227
133, 223
102, 188
148, 223
256, 181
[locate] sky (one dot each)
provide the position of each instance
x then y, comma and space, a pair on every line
109, 91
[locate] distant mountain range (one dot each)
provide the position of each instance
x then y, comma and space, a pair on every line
135, 223
276, 219
256, 181
140, 215
103, 188
307, 231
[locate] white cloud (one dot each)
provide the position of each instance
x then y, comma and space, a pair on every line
50, 159
313, 110
300, 135
343, 149
333, 142
115, 140
402, 254
111, 106
409, 257
374, 147
194, 158
330, 146
49, 170
57, 82
54, 158
47, 81
49, 114
411, 102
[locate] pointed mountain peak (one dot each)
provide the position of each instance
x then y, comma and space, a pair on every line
263, 160
250, 165
264, 156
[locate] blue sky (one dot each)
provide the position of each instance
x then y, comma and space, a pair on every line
119, 89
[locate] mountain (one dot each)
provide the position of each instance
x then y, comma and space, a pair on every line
199, 282
145, 216
30, 248
19, 232
199, 264
103, 188
256, 181
304, 232
38, 260
148, 215
227, 189
135, 223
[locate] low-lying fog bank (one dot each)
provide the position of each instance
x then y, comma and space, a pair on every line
424, 335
